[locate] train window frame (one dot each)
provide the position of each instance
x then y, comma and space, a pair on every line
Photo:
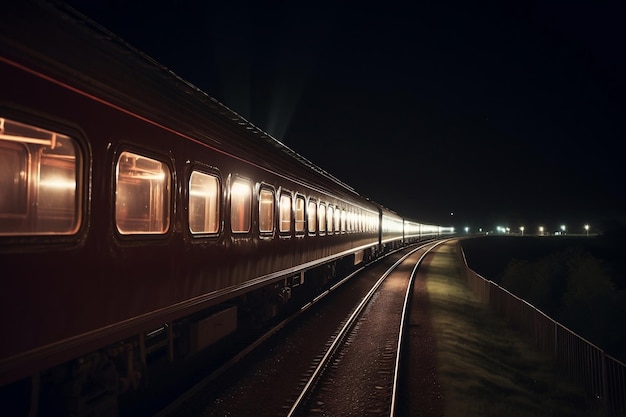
342, 219
40, 143
321, 219
168, 209
235, 189
266, 233
300, 215
285, 208
312, 217
330, 219
218, 205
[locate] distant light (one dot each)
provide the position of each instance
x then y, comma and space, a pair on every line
451, 213
466, 229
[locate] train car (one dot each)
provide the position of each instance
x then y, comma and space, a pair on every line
391, 229
138, 214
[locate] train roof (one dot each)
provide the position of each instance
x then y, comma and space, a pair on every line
55, 38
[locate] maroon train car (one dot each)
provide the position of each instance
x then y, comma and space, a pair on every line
138, 213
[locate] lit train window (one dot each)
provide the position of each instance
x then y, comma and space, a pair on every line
343, 221
240, 206
312, 216
204, 199
300, 215
321, 218
337, 220
266, 210
329, 218
40, 181
285, 213
142, 195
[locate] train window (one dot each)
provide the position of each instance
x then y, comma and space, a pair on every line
142, 195
300, 215
240, 206
329, 218
343, 221
337, 220
204, 199
312, 216
321, 218
266, 210
285, 213
40, 181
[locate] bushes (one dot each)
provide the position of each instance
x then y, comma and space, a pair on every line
576, 289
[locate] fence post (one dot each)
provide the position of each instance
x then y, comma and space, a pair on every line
605, 396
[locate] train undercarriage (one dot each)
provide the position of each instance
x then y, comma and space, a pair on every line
99, 384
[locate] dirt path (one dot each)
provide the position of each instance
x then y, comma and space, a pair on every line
464, 361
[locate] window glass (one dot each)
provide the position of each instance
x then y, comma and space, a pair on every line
39, 181
321, 217
329, 218
204, 207
299, 214
285, 213
142, 195
266, 210
337, 220
240, 206
312, 216
343, 220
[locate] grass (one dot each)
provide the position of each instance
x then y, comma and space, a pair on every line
485, 368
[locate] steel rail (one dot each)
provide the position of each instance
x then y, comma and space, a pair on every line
346, 329
403, 321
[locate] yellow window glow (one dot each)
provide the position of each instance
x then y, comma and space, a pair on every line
299, 215
312, 216
240, 206
204, 212
40, 181
266, 211
285, 213
142, 195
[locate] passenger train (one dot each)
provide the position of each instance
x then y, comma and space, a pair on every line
138, 214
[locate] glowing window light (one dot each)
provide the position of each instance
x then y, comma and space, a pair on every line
204, 192
40, 169
142, 195
240, 206
312, 216
321, 217
58, 184
299, 219
330, 212
266, 210
285, 213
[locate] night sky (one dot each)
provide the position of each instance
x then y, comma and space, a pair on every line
500, 114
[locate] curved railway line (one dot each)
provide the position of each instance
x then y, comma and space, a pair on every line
337, 357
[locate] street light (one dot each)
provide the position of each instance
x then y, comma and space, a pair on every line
587, 229
541, 230
521, 229
562, 229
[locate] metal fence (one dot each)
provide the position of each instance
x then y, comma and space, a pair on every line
601, 376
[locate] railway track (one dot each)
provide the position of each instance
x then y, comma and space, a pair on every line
338, 357
359, 373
